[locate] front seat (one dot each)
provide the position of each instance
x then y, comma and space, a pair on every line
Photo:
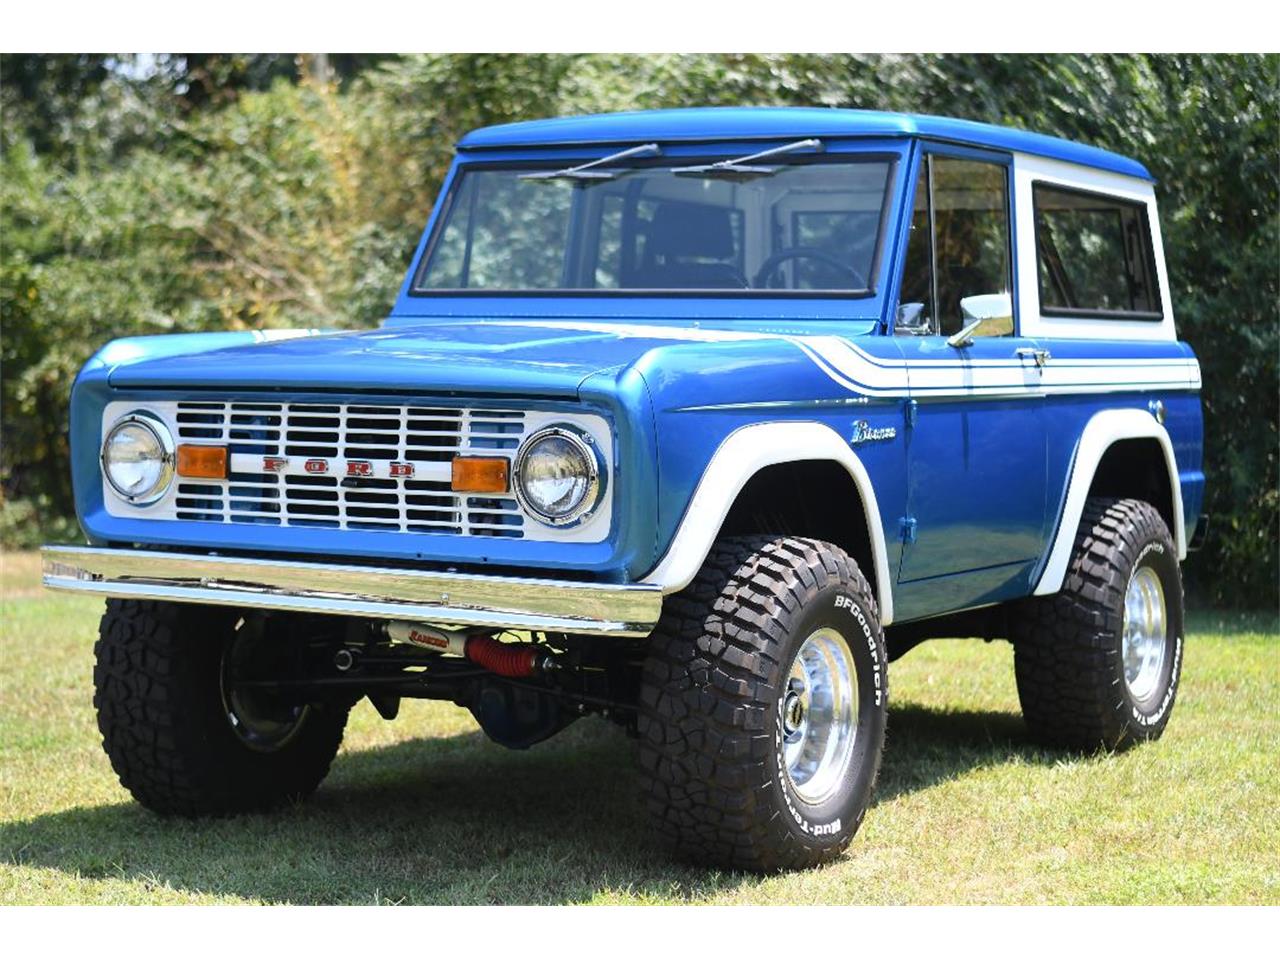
682, 248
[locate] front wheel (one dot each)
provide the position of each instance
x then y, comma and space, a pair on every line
1098, 663
185, 740
763, 706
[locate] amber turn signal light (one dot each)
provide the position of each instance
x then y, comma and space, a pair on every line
481, 474
197, 460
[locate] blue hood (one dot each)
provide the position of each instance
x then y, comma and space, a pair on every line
671, 389
472, 357
527, 357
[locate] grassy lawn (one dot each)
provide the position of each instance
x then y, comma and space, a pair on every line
426, 810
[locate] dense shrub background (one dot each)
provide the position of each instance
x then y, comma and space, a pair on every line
189, 192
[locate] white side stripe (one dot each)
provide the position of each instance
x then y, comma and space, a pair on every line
853, 368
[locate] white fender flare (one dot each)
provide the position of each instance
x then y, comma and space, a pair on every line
743, 454
1102, 430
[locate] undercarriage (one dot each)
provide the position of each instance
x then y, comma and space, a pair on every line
521, 688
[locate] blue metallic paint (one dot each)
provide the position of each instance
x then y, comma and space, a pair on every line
985, 483
727, 123
477, 357
628, 551
687, 379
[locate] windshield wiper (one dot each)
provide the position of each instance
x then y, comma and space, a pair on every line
742, 168
586, 171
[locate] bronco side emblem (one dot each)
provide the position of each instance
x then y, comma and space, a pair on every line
862, 431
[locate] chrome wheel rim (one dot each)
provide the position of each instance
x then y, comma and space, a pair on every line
818, 711
1144, 642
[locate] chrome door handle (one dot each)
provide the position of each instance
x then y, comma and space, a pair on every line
1039, 355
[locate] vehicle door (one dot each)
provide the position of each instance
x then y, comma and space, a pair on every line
976, 439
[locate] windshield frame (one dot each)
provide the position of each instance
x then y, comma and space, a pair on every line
890, 153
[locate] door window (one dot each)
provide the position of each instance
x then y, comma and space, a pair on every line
958, 249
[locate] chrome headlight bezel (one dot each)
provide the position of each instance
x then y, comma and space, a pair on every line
164, 440
591, 454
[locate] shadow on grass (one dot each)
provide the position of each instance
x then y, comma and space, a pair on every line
459, 820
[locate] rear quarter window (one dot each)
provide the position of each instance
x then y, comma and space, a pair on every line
1094, 255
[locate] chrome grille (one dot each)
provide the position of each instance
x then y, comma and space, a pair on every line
405, 453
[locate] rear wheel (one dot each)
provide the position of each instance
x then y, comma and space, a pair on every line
763, 704
1098, 663
184, 737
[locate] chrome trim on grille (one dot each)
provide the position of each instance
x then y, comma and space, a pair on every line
373, 466
380, 593
314, 445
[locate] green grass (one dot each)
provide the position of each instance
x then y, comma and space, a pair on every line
426, 810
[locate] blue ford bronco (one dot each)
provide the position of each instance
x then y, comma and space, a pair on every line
694, 420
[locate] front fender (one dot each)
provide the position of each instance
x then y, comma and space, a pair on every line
743, 454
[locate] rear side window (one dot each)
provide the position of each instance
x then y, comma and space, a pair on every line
1094, 254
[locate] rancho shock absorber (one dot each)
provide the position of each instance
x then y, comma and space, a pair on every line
505, 659
429, 638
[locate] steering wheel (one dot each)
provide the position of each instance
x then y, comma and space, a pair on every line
807, 253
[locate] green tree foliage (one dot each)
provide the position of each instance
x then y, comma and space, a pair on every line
192, 192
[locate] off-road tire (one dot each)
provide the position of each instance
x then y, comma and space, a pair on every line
710, 715
165, 726
1068, 646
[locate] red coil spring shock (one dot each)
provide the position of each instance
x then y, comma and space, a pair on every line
504, 659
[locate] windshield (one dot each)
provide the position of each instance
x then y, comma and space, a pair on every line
792, 226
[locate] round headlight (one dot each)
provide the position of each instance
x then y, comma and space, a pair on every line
137, 458
557, 475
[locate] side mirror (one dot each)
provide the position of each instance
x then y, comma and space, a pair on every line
912, 320
992, 313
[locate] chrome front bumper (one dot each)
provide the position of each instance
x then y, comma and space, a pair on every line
378, 593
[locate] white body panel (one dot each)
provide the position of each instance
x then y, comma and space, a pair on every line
1027, 170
